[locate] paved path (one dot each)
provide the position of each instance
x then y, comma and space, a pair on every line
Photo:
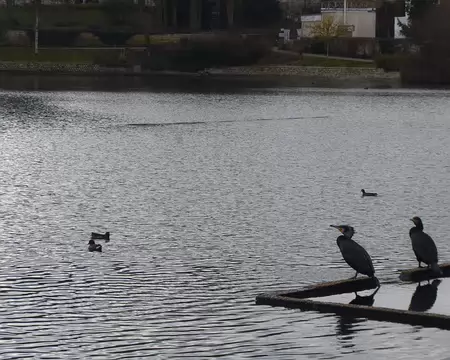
338, 57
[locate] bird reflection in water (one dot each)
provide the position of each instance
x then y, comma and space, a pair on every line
364, 300
346, 323
425, 296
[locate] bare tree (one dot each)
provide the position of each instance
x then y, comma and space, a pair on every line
431, 64
416, 11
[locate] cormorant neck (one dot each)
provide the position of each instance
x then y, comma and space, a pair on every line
346, 236
419, 226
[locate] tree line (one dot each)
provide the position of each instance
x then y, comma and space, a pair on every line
249, 13
428, 27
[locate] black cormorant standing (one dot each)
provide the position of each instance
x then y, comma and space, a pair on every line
353, 253
423, 246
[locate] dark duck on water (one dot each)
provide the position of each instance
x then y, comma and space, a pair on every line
364, 193
94, 247
423, 246
353, 253
98, 236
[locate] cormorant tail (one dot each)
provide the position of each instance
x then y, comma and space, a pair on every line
436, 269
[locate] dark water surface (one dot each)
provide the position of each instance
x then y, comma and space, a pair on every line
208, 205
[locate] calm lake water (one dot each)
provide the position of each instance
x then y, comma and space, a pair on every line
212, 198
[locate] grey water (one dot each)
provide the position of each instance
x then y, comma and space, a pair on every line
211, 198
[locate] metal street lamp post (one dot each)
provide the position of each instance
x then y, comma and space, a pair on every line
345, 12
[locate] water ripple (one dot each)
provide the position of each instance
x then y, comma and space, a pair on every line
205, 217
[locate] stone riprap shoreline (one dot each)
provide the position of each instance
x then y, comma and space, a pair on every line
278, 74
291, 76
52, 67
328, 72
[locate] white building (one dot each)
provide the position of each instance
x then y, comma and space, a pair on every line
308, 22
403, 20
359, 15
362, 19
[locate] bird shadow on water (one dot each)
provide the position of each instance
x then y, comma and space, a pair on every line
345, 327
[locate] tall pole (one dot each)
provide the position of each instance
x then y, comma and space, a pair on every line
345, 12
144, 25
36, 27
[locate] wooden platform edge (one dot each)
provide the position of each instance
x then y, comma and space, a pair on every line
332, 288
358, 311
423, 274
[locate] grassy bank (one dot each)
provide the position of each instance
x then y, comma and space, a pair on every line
96, 55
71, 56
311, 60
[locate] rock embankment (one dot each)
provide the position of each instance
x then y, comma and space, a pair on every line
273, 75
308, 71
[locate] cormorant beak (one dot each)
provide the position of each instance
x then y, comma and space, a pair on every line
412, 220
337, 227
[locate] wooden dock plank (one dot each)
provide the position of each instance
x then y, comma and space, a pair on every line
334, 288
371, 313
423, 274
304, 299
